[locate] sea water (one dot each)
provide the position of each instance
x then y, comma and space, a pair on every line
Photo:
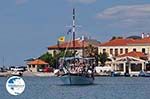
103, 88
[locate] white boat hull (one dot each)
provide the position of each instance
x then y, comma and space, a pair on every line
76, 79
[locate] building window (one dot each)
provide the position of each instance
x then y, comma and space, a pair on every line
121, 51
134, 49
104, 50
111, 51
116, 52
136, 67
143, 50
29, 66
119, 67
148, 67
126, 50
33, 66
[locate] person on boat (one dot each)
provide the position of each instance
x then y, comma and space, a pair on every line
76, 62
72, 70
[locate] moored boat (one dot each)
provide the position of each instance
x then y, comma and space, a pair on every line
16, 73
78, 74
77, 79
144, 74
76, 70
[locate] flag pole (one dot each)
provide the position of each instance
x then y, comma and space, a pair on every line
58, 45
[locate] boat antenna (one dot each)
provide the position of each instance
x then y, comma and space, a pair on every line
3, 60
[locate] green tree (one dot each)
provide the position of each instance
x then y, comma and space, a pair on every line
47, 57
53, 59
115, 37
103, 57
90, 51
63, 53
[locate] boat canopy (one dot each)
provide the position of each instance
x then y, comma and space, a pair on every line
76, 57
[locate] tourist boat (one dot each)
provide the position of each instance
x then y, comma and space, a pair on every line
77, 79
77, 74
16, 73
73, 73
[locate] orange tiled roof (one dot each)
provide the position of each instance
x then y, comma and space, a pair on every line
134, 54
117, 42
37, 62
125, 42
78, 44
144, 40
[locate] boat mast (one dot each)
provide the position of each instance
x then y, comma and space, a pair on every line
73, 30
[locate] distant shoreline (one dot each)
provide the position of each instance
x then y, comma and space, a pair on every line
28, 74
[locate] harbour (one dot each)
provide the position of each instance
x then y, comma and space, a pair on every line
103, 88
74, 49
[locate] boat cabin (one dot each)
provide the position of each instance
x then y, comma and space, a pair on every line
76, 64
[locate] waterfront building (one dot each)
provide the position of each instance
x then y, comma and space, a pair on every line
122, 46
130, 55
37, 65
131, 63
81, 46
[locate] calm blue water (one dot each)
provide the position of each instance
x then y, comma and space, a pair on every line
104, 88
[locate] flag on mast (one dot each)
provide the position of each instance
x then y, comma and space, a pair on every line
61, 39
69, 31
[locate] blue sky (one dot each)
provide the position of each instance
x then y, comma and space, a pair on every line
27, 27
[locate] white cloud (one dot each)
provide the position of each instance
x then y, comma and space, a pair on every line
82, 1
127, 16
126, 11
